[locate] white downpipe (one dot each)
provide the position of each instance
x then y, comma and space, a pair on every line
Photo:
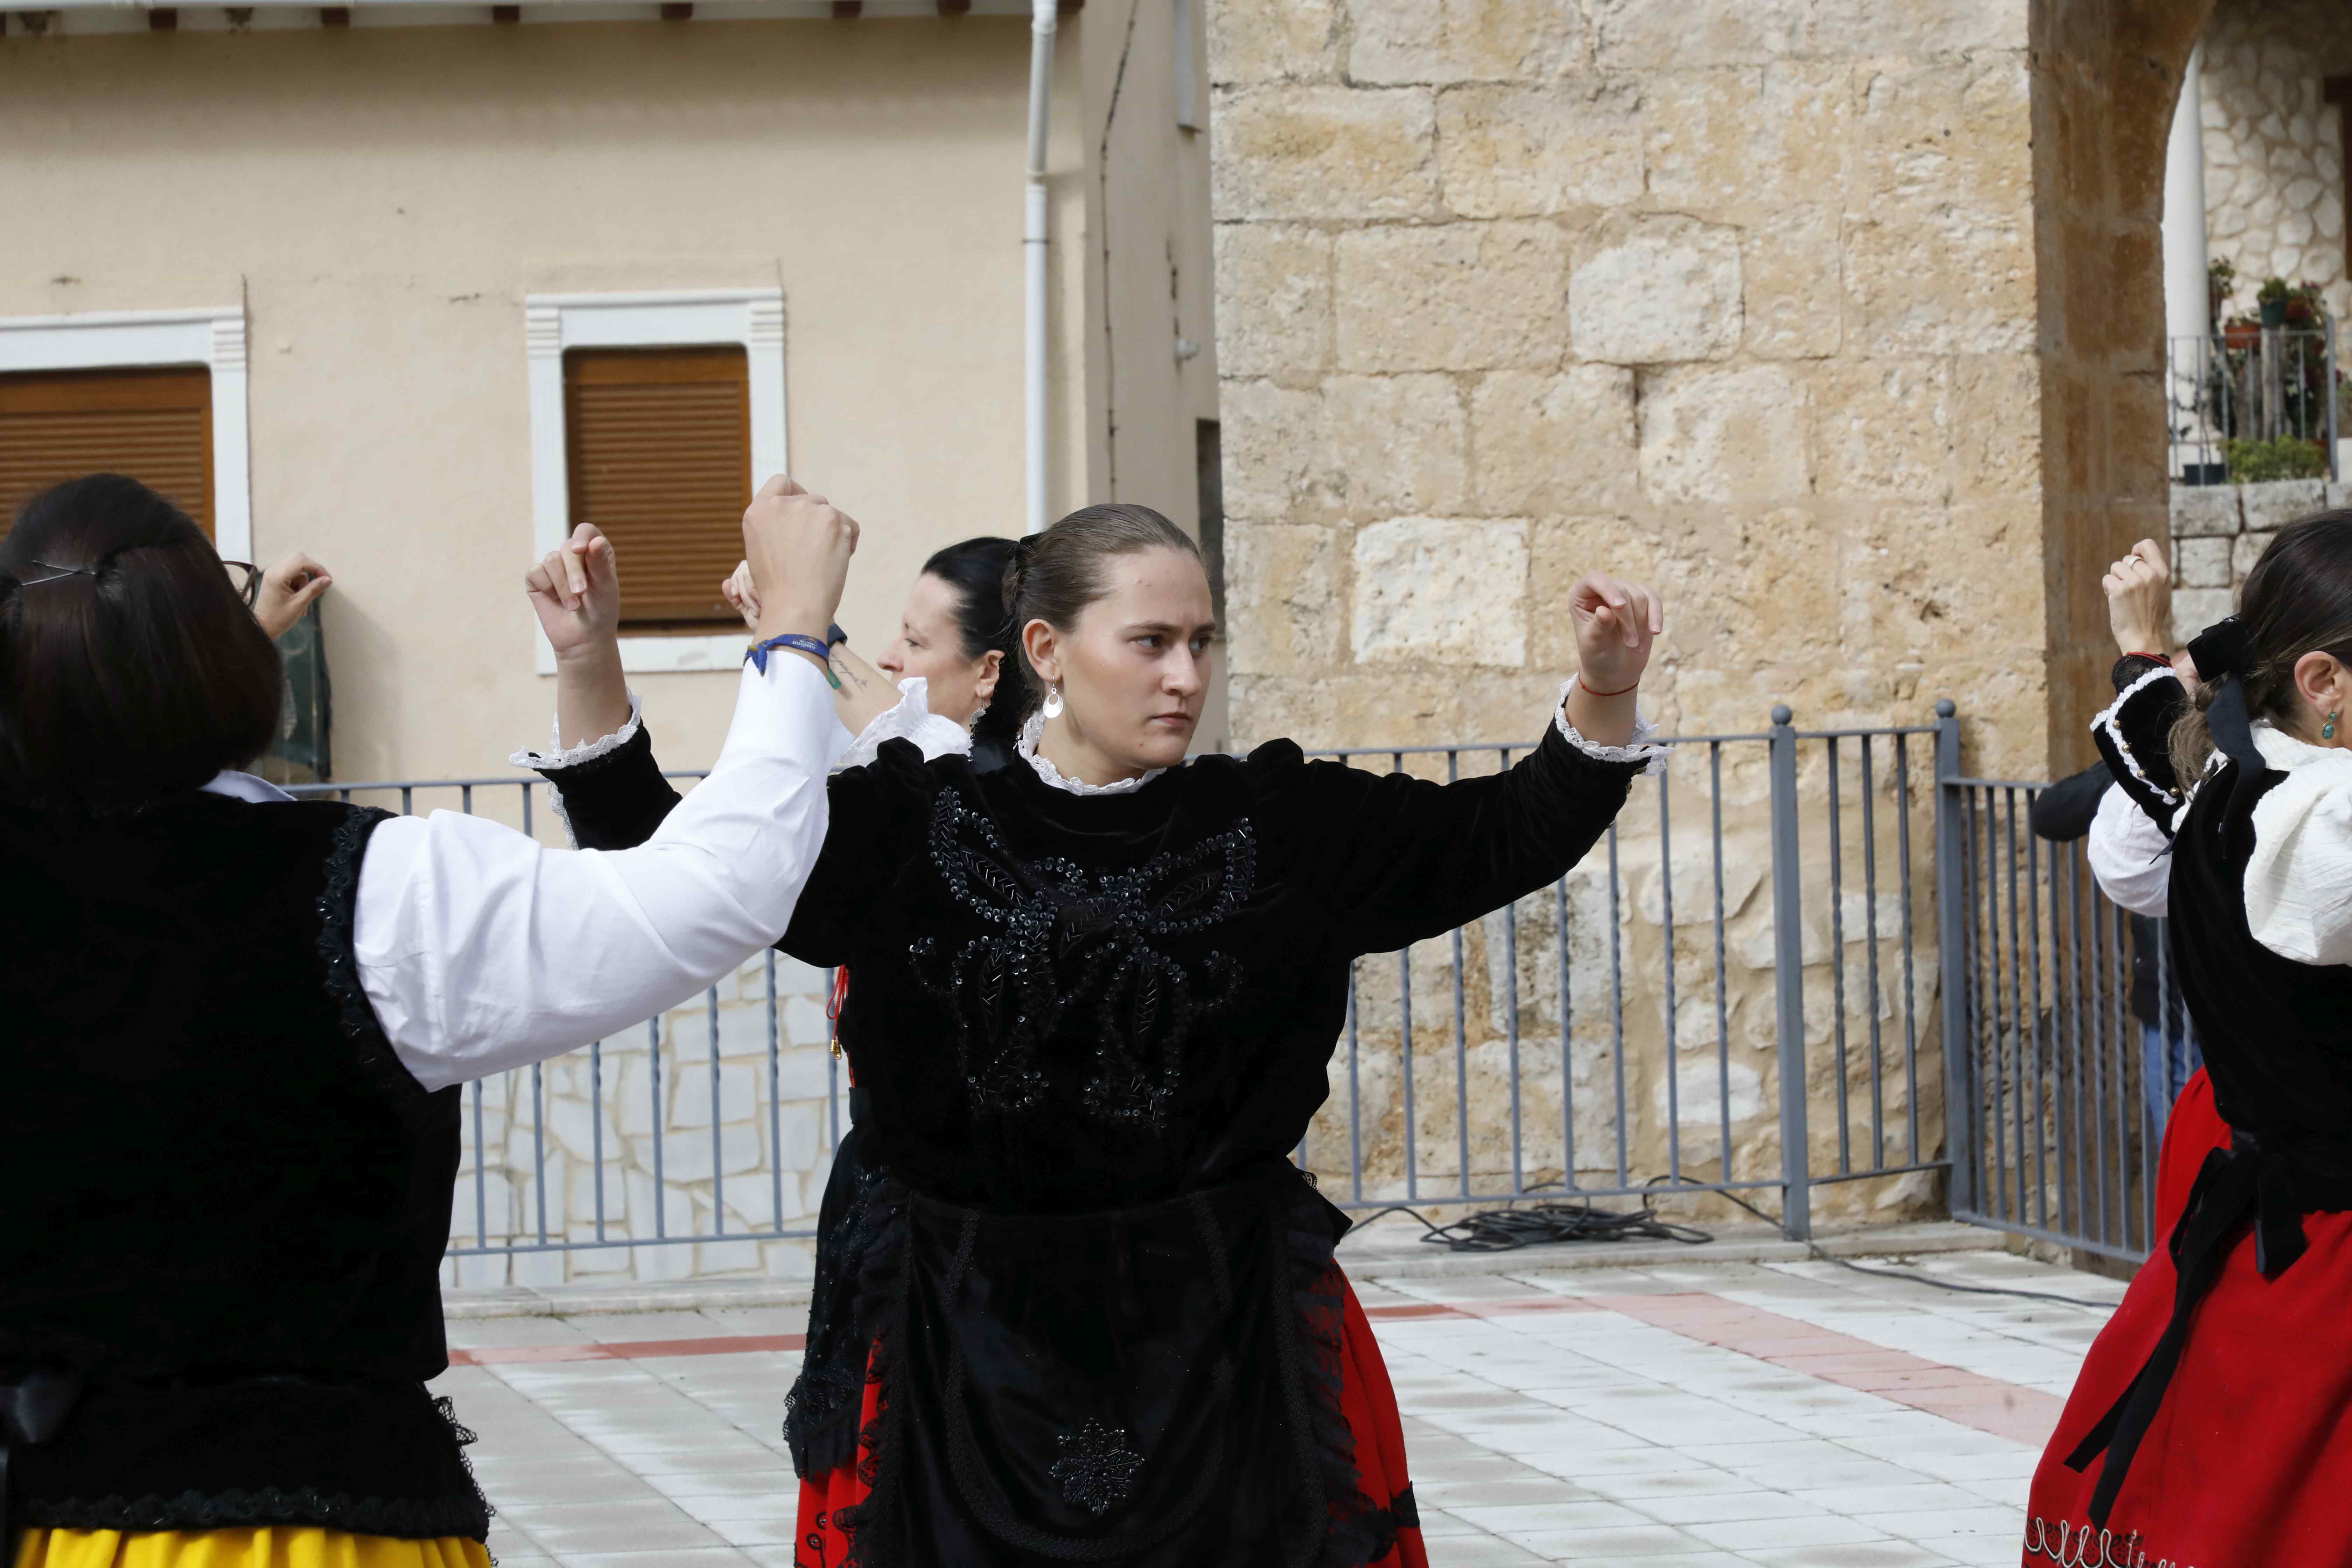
1042, 23
2186, 310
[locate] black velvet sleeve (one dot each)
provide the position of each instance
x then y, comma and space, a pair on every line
2063, 813
2135, 738
1393, 859
615, 801
878, 814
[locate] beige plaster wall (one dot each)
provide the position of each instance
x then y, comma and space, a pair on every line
383, 199
2273, 147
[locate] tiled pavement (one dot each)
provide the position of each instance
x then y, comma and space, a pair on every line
1689, 1416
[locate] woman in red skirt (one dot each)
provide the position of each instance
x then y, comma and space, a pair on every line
2210, 1425
1080, 1306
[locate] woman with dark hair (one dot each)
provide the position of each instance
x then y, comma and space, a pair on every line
953, 638
237, 1025
1083, 1307
2210, 1422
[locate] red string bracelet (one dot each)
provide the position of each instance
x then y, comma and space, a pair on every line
2159, 658
1619, 692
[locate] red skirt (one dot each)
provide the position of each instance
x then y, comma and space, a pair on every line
1365, 1395
2250, 1456
2194, 1130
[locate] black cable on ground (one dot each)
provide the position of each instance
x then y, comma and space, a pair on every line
1928, 1279
1507, 1230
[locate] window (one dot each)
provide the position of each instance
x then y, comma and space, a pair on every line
156, 424
658, 456
652, 415
158, 394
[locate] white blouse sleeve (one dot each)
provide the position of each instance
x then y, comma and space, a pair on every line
481, 949
2130, 856
933, 734
2296, 899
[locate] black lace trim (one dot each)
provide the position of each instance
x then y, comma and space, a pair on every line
1359, 1530
409, 1519
821, 1411
881, 1313
459, 1512
338, 912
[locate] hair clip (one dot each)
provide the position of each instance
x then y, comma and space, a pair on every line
57, 573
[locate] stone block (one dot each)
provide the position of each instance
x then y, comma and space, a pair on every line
1397, 444
1466, 40
2206, 511
1658, 35
1465, 296
1944, 282
1749, 139
1791, 295
1882, 427
1996, 424
1654, 290
1274, 301
1273, 452
1324, 152
1283, 597
1745, 861
1508, 151
1932, 138
1920, 27
1705, 1090
1438, 588
1554, 443
2205, 563
2271, 507
1723, 434
2194, 609
2244, 551
1251, 42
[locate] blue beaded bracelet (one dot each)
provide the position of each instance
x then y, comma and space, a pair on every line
757, 655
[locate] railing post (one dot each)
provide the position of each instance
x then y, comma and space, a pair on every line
1788, 982
1952, 916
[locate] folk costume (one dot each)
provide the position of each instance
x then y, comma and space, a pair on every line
229, 1136
2208, 1425
1081, 1306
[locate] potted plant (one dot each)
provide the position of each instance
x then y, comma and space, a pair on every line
2242, 332
2220, 283
2271, 301
2304, 307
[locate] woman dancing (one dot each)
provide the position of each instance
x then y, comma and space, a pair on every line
1092, 1311
236, 1023
2208, 1424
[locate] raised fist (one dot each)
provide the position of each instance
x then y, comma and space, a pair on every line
798, 547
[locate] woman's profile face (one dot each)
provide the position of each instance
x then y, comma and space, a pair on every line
1135, 669
930, 644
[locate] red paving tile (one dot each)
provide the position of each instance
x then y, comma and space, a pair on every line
625, 1350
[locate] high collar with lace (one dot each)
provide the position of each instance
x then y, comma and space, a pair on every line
1034, 729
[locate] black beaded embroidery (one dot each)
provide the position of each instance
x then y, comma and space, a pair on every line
1071, 953
1097, 1468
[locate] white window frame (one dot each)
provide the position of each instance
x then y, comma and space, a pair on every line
125, 340
677, 318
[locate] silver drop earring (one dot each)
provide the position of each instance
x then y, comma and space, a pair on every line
1053, 704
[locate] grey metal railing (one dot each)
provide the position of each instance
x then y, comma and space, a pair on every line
2251, 383
2056, 1107
1732, 994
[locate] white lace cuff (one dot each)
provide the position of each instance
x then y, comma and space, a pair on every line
1640, 749
933, 734
562, 756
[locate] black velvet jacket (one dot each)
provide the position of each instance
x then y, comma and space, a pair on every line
226, 1199
1117, 1010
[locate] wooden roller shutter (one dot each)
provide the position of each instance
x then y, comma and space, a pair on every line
152, 423
659, 444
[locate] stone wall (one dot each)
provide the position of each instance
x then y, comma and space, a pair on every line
2219, 532
2273, 148
1736, 298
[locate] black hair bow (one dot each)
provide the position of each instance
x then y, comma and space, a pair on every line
2221, 653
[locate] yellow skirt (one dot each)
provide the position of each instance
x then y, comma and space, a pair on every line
282, 1546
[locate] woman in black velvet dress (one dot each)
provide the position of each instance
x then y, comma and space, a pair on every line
1083, 1307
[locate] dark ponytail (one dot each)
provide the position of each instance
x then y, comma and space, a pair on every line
1054, 576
